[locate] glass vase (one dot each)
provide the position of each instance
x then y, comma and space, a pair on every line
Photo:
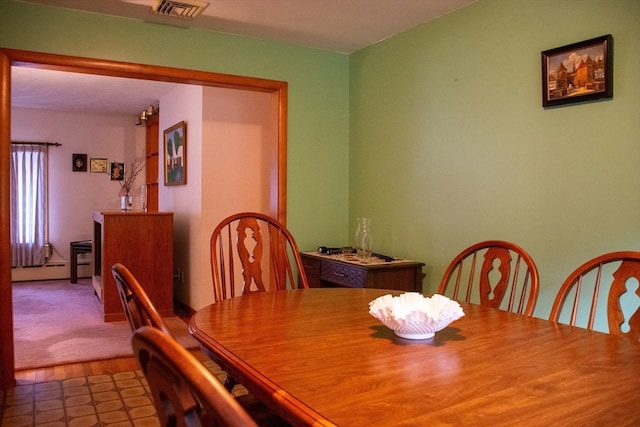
125, 202
143, 198
364, 239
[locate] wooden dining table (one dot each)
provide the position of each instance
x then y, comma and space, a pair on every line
317, 357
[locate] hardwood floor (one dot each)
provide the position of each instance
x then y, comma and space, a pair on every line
74, 370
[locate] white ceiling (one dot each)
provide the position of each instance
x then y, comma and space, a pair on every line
65, 91
335, 25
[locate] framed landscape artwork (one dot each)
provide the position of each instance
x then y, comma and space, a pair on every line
175, 154
577, 72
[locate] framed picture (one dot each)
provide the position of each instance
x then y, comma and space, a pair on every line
577, 72
98, 165
79, 163
117, 171
175, 154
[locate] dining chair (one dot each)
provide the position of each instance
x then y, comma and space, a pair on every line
495, 273
185, 393
136, 304
614, 276
252, 252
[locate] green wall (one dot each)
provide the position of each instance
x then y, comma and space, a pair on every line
318, 93
450, 145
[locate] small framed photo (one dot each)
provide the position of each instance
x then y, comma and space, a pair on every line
175, 154
578, 72
79, 162
98, 165
117, 171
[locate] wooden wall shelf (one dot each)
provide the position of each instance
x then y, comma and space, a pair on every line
152, 161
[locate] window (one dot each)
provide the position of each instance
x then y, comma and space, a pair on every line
28, 204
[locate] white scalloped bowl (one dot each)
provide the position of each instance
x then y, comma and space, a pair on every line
414, 316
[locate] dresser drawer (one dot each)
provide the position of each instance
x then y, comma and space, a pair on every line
343, 275
337, 270
312, 268
311, 265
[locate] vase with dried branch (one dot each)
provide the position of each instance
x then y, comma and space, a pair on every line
126, 184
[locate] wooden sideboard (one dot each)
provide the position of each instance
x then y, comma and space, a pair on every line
346, 271
141, 241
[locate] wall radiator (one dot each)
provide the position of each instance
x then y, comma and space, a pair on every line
49, 271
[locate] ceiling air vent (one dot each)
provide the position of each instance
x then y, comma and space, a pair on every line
186, 9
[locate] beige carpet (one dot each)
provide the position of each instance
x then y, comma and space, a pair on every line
57, 322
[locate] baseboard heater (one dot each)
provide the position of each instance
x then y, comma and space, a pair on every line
49, 271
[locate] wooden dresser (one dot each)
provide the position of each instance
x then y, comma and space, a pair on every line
347, 271
141, 241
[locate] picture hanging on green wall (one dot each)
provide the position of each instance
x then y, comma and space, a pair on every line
577, 72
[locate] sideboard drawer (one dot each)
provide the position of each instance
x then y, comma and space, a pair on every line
340, 270
311, 265
312, 268
343, 275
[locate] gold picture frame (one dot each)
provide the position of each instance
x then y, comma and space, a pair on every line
98, 165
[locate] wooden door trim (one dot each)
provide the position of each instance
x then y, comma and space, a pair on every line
9, 57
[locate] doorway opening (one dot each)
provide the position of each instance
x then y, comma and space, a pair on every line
9, 58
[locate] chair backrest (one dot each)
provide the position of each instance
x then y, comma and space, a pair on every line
506, 277
137, 306
185, 393
614, 276
253, 252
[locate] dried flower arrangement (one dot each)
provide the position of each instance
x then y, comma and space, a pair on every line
130, 175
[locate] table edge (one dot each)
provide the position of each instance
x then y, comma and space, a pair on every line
286, 405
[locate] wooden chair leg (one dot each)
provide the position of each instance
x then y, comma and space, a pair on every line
229, 383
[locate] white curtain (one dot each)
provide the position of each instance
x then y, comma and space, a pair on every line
28, 204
